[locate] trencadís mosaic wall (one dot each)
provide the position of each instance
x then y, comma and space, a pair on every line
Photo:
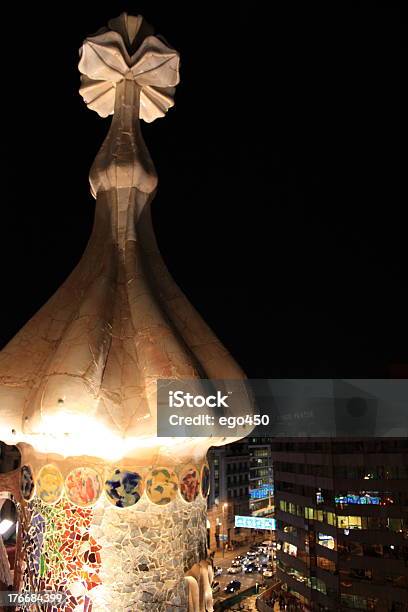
84, 529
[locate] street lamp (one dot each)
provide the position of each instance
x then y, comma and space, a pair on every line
224, 507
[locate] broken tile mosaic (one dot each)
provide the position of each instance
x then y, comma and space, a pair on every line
50, 484
124, 488
59, 553
26, 482
161, 486
83, 486
205, 481
189, 483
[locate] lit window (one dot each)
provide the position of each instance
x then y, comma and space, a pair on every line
326, 540
310, 513
349, 522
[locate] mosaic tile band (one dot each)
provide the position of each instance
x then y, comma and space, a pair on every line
83, 486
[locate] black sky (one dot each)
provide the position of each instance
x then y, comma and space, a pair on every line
282, 203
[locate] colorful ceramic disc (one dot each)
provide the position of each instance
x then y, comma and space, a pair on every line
205, 481
161, 486
26, 482
50, 484
123, 488
83, 486
189, 483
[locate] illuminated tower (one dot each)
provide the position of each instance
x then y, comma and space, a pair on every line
109, 513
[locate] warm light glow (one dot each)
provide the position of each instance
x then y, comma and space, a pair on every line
72, 434
5, 525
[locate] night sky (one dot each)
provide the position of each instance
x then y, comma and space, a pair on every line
282, 202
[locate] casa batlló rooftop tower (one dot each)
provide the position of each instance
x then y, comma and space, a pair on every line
110, 514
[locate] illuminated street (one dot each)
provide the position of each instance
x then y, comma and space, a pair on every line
246, 580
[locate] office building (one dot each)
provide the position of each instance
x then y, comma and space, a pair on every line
342, 522
260, 477
229, 489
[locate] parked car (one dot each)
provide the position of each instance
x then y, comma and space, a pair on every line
267, 573
232, 586
236, 563
215, 587
217, 571
239, 558
234, 570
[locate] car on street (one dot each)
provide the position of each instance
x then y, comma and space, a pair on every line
236, 563
251, 555
268, 574
234, 570
251, 568
232, 586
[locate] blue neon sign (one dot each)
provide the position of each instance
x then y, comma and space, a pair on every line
261, 492
255, 522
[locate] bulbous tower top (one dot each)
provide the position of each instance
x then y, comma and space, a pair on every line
80, 377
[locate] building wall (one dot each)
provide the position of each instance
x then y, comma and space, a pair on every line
342, 522
260, 475
229, 488
236, 470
